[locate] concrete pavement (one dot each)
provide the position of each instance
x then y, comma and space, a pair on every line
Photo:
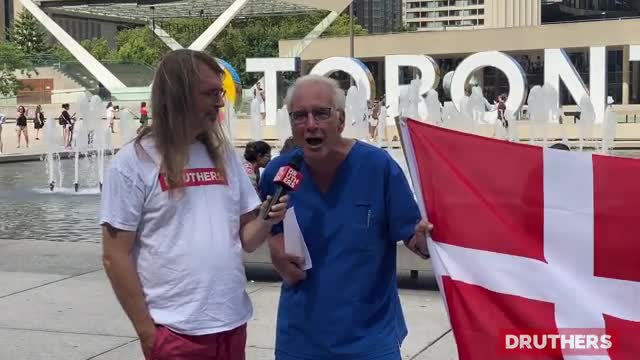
57, 304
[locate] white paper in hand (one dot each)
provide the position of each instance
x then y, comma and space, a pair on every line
293, 241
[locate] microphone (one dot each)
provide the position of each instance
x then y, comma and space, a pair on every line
287, 179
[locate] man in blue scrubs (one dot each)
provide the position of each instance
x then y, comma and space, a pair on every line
353, 205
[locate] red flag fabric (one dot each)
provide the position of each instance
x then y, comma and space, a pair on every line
529, 240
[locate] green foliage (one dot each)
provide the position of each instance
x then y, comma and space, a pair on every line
13, 60
407, 28
60, 53
27, 34
99, 48
241, 39
133, 45
340, 27
139, 45
255, 37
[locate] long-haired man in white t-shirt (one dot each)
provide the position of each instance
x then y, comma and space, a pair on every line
177, 212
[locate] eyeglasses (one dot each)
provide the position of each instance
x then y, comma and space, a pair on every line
219, 93
319, 114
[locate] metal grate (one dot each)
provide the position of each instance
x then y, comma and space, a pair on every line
158, 9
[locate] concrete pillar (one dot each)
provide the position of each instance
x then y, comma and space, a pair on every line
218, 25
17, 8
165, 37
626, 75
380, 84
635, 82
2, 24
304, 68
99, 71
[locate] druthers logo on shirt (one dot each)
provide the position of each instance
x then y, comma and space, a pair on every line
197, 177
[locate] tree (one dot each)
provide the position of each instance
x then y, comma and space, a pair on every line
340, 27
407, 28
61, 53
27, 34
99, 48
255, 37
139, 45
13, 61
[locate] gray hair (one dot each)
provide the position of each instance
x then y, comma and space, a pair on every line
339, 96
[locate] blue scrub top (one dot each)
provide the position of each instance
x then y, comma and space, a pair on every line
348, 306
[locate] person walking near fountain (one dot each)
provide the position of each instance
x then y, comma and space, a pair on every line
144, 116
257, 154
38, 120
110, 115
66, 121
3, 119
177, 212
374, 120
353, 205
21, 125
503, 122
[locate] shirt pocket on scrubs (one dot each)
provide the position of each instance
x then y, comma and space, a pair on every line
364, 227
362, 215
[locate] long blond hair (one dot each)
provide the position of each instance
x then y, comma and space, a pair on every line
172, 107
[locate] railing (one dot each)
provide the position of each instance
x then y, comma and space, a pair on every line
592, 20
129, 72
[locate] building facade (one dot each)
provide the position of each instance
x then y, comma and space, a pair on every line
8, 10
456, 14
583, 10
379, 16
525, 44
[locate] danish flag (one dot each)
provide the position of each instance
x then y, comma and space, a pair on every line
529, 238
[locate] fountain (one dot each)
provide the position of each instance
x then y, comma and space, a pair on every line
537, 116
50, 134
97, 135
587, 120
414, 99
255, 119
128, 127
83, 129
513, 130
451, 117
355, 113
478, 106
434, 108
466, 114
228, 119
382, 127
283, 125
90, 134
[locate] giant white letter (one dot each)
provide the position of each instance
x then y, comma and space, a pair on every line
352, 66
429, 70
501, 61
270, 67
557, 66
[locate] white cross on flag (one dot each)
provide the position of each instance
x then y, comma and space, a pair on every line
531, 244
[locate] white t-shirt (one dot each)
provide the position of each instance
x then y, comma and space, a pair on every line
188, 251
110, 113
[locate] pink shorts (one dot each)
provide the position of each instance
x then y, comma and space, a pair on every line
228, 345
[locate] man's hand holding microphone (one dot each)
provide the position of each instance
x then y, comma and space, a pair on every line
273, 209
288, 266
